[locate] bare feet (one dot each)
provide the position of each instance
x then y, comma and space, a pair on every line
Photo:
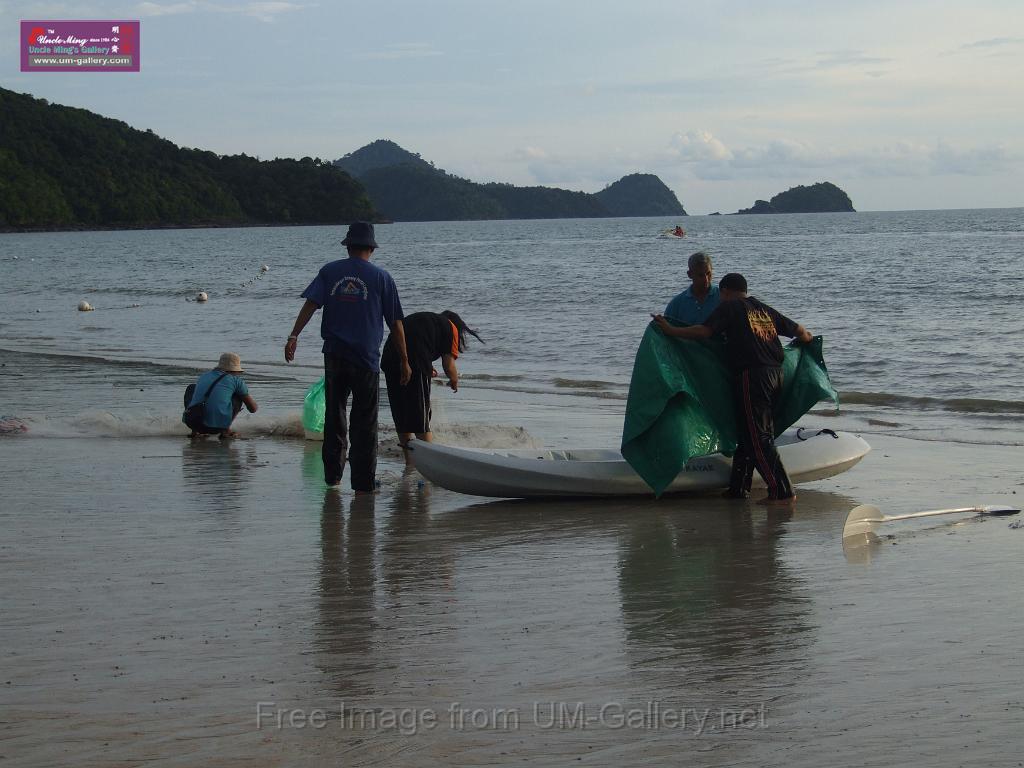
228, 434
769, 501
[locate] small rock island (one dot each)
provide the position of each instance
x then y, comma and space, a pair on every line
823, 197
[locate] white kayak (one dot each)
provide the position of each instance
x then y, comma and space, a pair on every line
808, 454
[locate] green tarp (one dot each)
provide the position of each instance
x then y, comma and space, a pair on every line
680, 402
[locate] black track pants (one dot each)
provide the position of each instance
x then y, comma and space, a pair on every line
757, 390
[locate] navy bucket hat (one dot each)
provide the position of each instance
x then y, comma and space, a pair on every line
360, 234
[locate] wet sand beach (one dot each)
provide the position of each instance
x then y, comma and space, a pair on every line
172, 603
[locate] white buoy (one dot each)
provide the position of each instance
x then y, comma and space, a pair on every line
84, 306
264, 268
201, 296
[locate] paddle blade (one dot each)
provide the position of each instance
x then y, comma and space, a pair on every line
998, 510
861, 520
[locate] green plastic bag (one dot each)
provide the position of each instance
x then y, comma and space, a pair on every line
680, 402
314, 407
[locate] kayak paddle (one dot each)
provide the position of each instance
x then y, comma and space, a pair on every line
866, 518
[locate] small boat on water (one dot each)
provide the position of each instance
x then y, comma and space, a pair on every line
677, 232
808, 454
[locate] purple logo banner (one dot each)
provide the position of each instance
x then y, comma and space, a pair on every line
80, 46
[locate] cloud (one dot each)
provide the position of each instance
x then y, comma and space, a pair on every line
156, 9
264, 11
698, 146
585, 173
528, 154
995, 42
843, 59
823, 63
573, 172
993, 46
973, 161
267, 11
703, 156
396, 51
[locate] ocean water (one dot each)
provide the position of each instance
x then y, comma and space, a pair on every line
919, 311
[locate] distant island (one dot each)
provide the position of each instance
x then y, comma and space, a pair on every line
67, 168
405, 187
823, 197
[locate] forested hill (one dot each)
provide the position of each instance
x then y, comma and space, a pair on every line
405, 187
640, 194
380, 154
823, 197
62, 167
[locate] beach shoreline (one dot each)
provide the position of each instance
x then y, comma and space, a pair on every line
150, 616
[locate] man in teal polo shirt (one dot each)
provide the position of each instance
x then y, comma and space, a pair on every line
695, 305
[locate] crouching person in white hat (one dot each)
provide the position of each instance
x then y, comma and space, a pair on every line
212, 403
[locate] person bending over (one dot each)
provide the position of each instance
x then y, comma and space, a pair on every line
428, 336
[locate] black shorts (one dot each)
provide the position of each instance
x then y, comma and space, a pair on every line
410, 405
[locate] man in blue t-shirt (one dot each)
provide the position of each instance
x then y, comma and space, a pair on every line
695, 305
357, 298
222, 392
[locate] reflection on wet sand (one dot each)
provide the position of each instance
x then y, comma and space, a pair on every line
514, 605
217, 471
412, 561
706, 600
374, 576
347, 620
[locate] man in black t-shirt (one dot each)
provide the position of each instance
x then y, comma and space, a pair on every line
751, 329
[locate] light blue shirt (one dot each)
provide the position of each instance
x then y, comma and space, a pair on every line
218, 411
684, 309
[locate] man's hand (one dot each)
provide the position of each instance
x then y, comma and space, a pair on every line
309, 308
689, 332
406, 373
663, 324
453, 382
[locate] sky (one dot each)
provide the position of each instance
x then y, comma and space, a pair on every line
904, 104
